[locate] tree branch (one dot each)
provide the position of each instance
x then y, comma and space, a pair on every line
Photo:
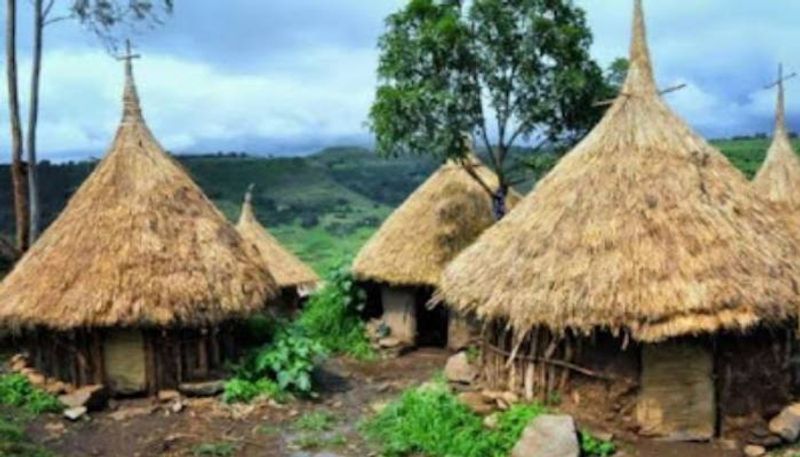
469, 167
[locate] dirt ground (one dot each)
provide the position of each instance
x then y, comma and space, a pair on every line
351, 390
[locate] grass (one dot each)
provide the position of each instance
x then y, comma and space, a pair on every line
316, 421
16, 391
13, 439
316, 431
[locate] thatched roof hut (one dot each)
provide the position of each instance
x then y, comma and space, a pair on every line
138, 245
778, 180
439, 219
286, 268
643, 227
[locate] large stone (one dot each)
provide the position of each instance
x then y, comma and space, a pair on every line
548, 436
458, 369
202, 389
94, 398
477, 403
753, 450
75, 413
787, 423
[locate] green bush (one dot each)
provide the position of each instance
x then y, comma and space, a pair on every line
332, 316
221, 449
14, 441
280, 367
17, 391
594, 447
431, 421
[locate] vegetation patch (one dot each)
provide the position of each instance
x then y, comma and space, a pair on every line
13, 439
219, 449
280, 368
430, 420
332, 316
16, 391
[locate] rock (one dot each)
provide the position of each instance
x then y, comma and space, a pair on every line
728, 444
18, 363
389, 342
94, 398
548, 436
54, 387
752, 450
75, 413
459, 370
166, 396
37, 379
202, 389
787, 423
477, 403
491, 421
124, 414
55, 428
176, 407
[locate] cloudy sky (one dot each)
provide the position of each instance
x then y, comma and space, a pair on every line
291, 77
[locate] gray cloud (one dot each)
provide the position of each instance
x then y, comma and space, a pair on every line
286, 77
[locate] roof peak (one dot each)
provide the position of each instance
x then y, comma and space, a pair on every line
131, 109
640, 79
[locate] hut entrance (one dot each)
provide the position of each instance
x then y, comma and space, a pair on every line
409, 318
124, 361
431, 321
677, 398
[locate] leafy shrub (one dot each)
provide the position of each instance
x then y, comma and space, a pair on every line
17, 391
283, 366
332, 316
594, 447
317, 421
430, 420
14, 441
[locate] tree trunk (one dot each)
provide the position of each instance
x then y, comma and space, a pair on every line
499, 208
33, 118
17, 166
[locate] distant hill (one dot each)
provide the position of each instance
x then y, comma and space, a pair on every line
323, 206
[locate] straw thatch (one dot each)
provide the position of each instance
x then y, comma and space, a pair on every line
286, 268
138, 244
643, 227
778, 180
442, 217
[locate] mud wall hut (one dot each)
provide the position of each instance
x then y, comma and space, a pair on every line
405, 258
136, 282
641, 269
295, 279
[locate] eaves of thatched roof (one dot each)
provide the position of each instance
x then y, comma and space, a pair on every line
643, 227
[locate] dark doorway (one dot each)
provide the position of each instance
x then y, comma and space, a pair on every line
431, 322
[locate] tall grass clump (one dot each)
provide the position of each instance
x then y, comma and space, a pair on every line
332, 316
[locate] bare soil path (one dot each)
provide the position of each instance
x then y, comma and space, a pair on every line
350, 392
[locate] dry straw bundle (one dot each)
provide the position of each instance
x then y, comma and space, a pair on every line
442, 217
138, 244
643, 227
286, 268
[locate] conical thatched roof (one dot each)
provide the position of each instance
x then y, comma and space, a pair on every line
286, 268
439, 219
778, 180
642, 227
138, 244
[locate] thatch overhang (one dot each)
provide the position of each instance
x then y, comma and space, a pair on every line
778, 179
286, 268
438, 220
643, 227
139, 244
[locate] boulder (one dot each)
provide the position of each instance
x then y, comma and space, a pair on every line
37, 379
202, 389
477, 403
74, 414
787, 423
94, 398
389, 342
459, 370
166, 396
548, 436
130, 412
753, 450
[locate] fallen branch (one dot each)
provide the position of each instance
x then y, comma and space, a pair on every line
554, 362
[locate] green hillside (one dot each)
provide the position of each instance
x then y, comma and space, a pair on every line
323, 207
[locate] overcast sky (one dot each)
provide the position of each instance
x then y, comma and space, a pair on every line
290, 77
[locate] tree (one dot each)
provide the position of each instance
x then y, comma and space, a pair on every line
101, 17
17, 166
497, 73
